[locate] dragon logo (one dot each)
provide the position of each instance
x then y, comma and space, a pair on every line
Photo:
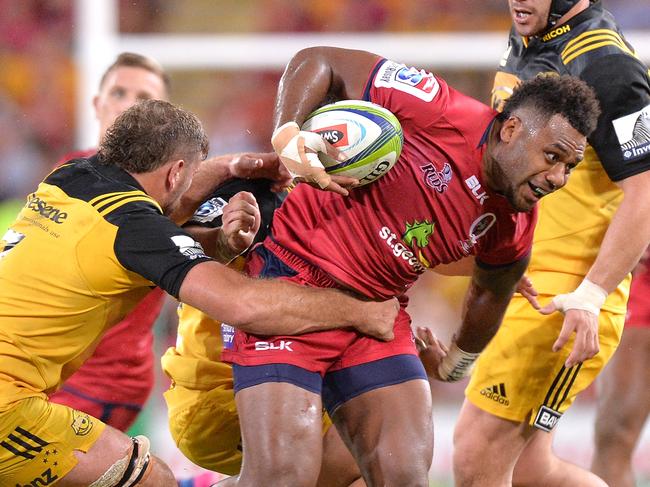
418, 231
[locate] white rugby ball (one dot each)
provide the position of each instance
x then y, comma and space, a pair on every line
369, 136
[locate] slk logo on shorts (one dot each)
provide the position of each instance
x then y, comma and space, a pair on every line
546, 418
281, 345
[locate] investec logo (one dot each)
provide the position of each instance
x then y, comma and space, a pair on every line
497, 393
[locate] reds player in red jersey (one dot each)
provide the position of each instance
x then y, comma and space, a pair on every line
466, 184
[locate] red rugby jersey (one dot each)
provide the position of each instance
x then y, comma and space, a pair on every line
432, 207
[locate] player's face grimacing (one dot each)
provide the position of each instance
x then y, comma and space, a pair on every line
533, 160
529, 17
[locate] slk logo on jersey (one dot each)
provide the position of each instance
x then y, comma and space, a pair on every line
438, 180
633, 132
337, 135
281, 345
417, 82
473, 183
188, 246
209, 211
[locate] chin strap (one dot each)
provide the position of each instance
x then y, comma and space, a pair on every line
558, 9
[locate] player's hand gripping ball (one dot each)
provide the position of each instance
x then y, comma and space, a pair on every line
368, 137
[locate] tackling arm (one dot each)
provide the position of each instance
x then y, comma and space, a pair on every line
217, 170
276, 307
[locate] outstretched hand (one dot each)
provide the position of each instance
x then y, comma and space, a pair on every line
527, 290
585, 326
430, 350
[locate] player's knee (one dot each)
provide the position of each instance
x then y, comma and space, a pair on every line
467, 453
404, 472
282, 469
615, 433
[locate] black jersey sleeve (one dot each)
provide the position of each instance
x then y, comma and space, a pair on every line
622, 136
151, 245
210, 213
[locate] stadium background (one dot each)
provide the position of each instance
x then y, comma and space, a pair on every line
225, 58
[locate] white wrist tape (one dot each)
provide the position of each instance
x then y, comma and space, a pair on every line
587, 296
456, 364
298, 151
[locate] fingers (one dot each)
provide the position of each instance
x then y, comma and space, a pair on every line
563, 337
264, 165
333, 152
586, 345
241, 220
548, 309
345, 181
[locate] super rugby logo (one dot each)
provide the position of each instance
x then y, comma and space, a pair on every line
337, 135
478, 228
209, 211
417, 82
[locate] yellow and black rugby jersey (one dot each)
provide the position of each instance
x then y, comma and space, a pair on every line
572, 222
86, 247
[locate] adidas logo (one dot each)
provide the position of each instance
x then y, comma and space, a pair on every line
497, 393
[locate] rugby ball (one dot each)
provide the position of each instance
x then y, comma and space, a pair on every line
369, 136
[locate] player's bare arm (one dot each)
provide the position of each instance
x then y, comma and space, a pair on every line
240, 223
266, 307
313, 76
486, 300
217, 170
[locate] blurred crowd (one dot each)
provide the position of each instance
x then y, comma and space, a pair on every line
38, 79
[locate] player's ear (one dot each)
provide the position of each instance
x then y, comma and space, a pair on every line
509, 128
96, 106
174, 172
